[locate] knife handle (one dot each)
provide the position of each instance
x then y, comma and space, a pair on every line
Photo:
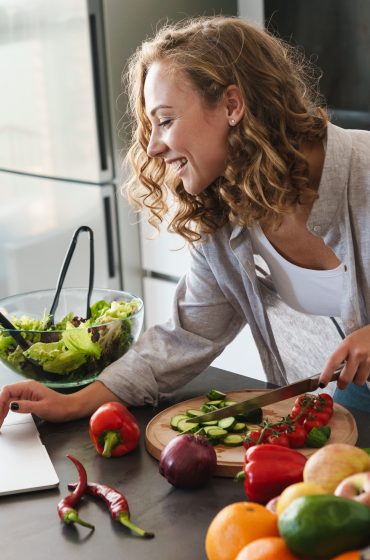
336, 374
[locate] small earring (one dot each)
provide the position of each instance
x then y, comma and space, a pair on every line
232, 122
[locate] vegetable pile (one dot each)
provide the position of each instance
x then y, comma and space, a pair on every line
305, 426
321, 506
74, 347
228, 431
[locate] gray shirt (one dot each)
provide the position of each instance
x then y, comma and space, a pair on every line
223, 291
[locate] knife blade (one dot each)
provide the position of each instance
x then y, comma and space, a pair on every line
275, 395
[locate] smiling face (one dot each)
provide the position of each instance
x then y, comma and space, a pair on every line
188, 135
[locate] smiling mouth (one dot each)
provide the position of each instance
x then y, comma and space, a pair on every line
179, 164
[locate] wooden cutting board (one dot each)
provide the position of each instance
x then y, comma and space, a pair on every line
230, 459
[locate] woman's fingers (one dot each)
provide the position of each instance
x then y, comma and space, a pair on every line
354, 352
335, 360
30, 396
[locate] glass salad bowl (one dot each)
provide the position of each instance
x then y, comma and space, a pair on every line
67, 350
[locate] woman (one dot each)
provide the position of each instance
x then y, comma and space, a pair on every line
227, 127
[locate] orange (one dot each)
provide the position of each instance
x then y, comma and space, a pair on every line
350, 555
235, 526
268, 548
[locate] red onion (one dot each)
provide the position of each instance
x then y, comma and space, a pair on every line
188, 461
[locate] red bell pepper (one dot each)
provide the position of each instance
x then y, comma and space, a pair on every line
114, 430
269, 468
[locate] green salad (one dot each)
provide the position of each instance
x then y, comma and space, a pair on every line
74, 347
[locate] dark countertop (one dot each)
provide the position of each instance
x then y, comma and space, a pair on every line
29, 524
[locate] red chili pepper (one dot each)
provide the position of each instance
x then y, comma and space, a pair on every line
114, 430
66, 511
117, 504
270, 468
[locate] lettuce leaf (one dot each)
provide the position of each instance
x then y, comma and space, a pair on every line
79, 340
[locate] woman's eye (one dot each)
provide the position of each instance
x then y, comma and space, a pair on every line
165, 123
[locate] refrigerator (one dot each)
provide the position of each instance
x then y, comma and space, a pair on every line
63, 136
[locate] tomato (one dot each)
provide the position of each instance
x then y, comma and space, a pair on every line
327, 398
252, 438
302, 416
279, 439
310, 423
303, 401
296, 436
323, 404
280, 427
321, 415
266, 433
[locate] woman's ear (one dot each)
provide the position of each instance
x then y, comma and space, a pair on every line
235, 104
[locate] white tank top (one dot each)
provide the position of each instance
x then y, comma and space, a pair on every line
318, 292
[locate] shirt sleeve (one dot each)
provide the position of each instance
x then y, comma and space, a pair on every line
167, 356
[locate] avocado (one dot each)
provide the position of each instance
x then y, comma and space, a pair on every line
324, 525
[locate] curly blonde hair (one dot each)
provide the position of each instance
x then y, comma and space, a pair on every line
266, 174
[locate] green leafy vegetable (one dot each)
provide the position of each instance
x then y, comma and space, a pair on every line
74, 346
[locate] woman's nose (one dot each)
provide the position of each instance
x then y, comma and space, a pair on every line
155, 147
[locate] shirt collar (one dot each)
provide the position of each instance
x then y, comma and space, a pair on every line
334, 180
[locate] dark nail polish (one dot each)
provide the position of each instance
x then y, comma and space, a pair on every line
322, 385
14, 406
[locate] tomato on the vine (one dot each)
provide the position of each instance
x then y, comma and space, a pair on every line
280, 427
296, 436
296, 412
310, 423
279, 439
303, 401
321, 415
327, 398
323, 405
252, 438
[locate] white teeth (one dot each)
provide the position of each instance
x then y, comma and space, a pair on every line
178, 164
182, 162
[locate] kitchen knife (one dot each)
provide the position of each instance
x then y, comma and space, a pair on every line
269, 397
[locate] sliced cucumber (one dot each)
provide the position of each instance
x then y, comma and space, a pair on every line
213, 403
210, 423
232, 440
239, 427
176, 419
214, 394
208, 408
227, 423
192, 412
213, 432
229, 403
184, 426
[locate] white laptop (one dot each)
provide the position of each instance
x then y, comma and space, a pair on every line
25, 465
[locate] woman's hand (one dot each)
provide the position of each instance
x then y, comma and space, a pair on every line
31, 396
354, 352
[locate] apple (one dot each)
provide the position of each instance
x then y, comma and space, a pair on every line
295, 491
356, 487
329, 465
